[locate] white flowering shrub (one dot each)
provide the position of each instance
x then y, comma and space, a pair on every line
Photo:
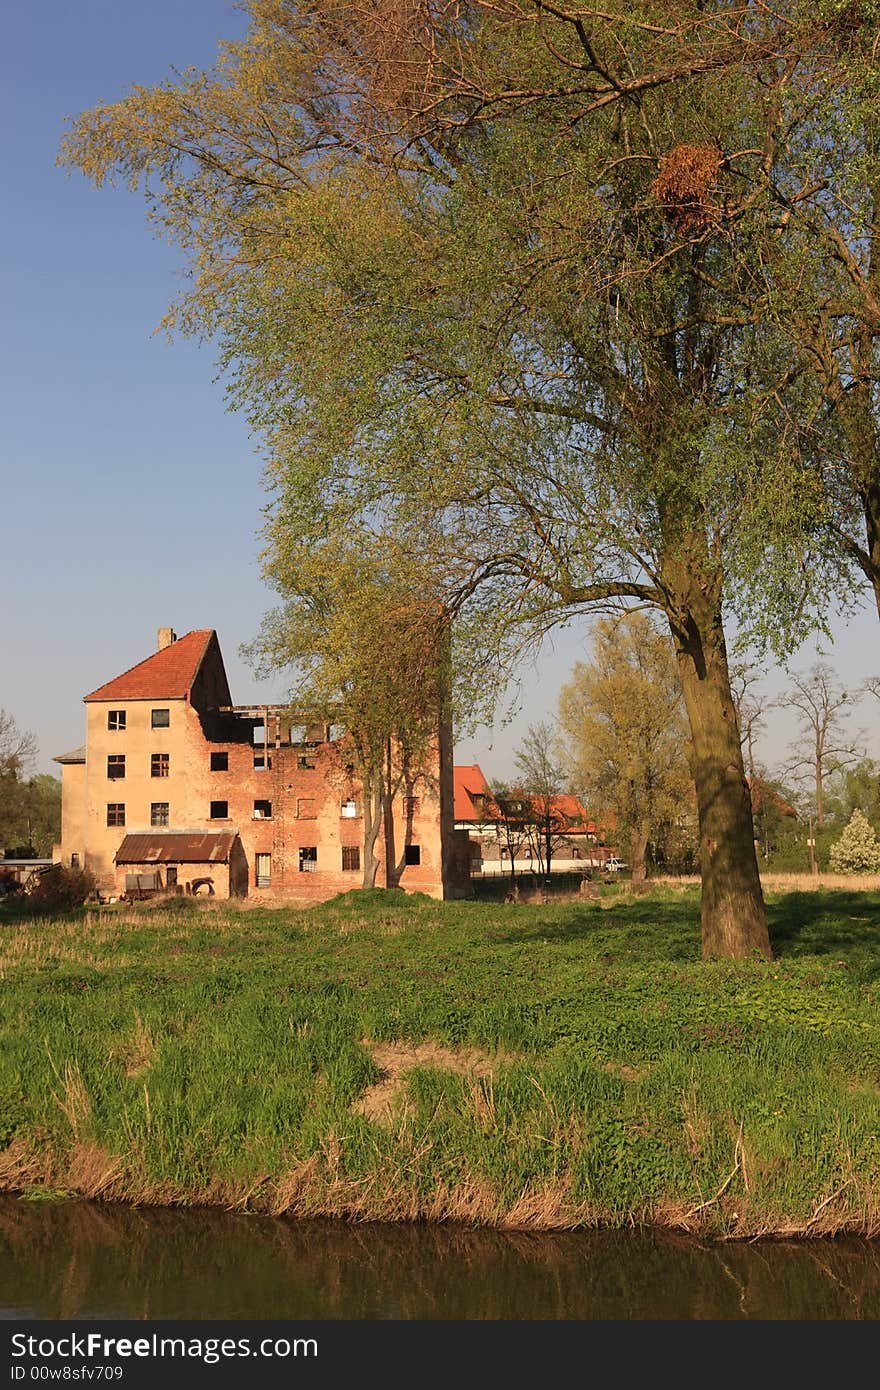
857, 851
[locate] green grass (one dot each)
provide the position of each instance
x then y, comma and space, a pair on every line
198, 1053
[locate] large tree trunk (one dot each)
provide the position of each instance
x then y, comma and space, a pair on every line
734, 921
638, 850
374, 811
871, 506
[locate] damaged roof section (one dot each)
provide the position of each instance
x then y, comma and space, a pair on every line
177, 847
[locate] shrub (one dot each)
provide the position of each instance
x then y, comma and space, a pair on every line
60, 889
857, 850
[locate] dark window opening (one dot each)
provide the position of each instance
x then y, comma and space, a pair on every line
116, 765
159, 813
262, 762
74, 861
160, 718
116, 719
116, 813
351, 858
412, 854
305, 760
160, 764
308, 859
219, 810
219, 762
171, 875
262, 810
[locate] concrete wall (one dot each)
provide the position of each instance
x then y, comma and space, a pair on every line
73, 813
138, 789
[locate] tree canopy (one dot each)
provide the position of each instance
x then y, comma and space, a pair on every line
513, 286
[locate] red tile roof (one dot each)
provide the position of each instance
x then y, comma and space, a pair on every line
166, 675
567, 812
469, 782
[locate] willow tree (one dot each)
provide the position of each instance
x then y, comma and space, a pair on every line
491, 282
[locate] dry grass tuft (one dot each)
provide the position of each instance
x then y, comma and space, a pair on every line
93, 1172
72, 1098
138, 1051
544, 1208
291, 1190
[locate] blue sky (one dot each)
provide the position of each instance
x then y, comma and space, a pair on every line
131, 499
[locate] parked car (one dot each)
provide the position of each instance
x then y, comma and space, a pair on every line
615, 865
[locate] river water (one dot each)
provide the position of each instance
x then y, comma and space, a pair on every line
84, 1260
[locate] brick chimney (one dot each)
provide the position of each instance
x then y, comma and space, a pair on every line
166, 637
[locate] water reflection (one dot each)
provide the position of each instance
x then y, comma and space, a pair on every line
78, 1259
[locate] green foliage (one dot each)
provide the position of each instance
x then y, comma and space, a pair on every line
857, 851
628, 739
855, 788
60, 889
30, 808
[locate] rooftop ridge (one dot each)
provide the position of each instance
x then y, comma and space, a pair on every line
186, 646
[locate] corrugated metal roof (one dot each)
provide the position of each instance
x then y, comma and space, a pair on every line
177, 847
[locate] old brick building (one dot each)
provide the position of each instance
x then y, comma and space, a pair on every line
176, 786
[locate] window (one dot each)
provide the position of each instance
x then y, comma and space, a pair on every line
349, 809
160, 718
116, 719
305, 808
412, 854
262, 810
171, 876
159, 764
411, 806
74, 861
219, 762
264, 870
159, 813
335, 732
262, 762
219, 810
115, 813
305, 760
116, 765
351, 858
308, 859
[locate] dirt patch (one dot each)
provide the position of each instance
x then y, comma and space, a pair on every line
395, 1059
625, 1072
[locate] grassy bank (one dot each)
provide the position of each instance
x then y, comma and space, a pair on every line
379, 1057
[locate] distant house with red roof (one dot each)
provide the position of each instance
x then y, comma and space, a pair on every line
578, 841
176, 787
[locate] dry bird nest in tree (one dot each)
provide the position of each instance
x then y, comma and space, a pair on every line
685, 185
